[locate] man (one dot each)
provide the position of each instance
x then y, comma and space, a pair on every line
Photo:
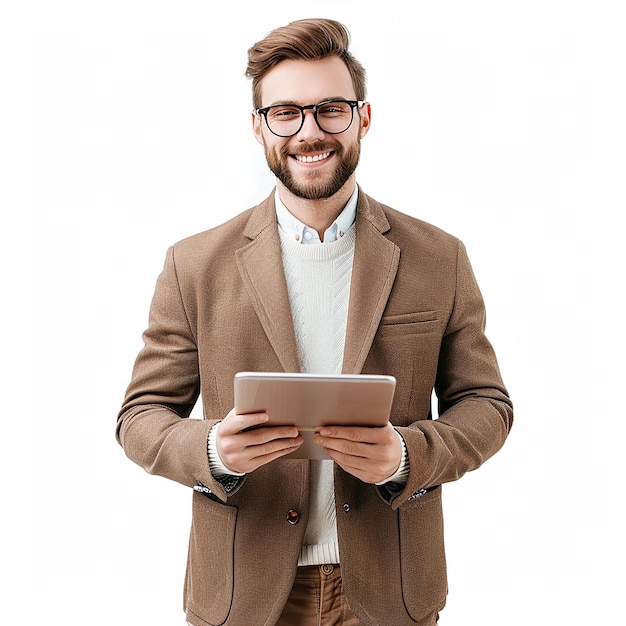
318, 278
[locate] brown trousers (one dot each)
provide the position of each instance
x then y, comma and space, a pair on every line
317, 599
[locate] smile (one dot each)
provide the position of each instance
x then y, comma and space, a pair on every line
303, 158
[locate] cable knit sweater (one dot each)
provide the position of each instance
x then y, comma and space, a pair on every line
318, 280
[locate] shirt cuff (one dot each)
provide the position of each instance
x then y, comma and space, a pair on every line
215, 462
401, 475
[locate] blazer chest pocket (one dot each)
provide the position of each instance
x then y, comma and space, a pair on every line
407, 347
410, 323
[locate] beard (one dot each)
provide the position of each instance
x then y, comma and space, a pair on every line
315, 185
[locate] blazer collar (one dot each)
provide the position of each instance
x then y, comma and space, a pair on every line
264, 215
373, 273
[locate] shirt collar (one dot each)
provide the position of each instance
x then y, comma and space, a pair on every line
299, 231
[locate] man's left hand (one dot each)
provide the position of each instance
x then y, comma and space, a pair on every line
370, 454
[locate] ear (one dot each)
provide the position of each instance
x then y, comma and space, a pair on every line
366, 119
257, 127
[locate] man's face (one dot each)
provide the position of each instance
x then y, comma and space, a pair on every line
312, 164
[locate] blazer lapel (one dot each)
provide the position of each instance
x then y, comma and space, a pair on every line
261, 267
373, 274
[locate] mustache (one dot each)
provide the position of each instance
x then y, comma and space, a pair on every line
303, 148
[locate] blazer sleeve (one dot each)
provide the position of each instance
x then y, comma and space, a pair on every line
475, 411
153, 426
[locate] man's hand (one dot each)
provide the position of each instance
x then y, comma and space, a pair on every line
242, 451
370, 454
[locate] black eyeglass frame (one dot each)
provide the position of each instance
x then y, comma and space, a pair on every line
311, 107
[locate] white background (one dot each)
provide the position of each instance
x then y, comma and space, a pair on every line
126, 126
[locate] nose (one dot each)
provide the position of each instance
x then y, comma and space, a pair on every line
310, 131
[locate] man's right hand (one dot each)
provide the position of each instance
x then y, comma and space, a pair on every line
242, 450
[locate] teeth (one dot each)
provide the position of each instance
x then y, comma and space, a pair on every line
312, 159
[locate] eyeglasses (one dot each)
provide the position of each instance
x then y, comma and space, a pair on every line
332, 116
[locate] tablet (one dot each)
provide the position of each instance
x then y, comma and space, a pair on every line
309, 401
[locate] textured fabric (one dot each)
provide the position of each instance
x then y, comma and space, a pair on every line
215, 462
317, 599
415, 312
318, 283
320, 544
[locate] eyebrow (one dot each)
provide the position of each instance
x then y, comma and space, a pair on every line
327, 99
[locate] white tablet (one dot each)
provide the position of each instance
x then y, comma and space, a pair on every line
309, 401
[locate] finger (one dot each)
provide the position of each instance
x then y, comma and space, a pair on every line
253, 457
357, 466
257, 442
347, 460
360, 467
274, 448
360, 434
234, 423
348, 451
345, 446
350, 433
263, 434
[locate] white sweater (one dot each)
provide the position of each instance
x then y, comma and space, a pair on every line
318, 280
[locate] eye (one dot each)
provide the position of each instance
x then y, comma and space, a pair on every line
334, 109
283, 113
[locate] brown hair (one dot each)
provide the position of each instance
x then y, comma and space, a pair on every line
309, 39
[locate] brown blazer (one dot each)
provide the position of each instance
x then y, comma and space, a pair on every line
415, 313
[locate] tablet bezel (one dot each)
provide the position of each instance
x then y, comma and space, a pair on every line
310, 401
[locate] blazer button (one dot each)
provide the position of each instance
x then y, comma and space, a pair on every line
293, 517
346, 508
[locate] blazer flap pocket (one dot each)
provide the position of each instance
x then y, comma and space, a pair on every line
417, 322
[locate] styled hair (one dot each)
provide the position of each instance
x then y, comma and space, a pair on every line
310, 39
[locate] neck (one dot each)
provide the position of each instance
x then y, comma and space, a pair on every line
317, 214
